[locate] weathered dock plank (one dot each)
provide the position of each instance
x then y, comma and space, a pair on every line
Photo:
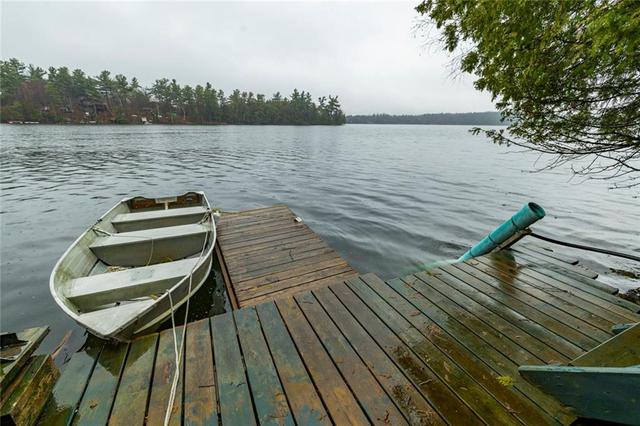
267, 253
102, 386
235, 396
304, 401
269, 398
130, 404
200, 392
163, 373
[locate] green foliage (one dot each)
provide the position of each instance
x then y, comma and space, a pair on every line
567, 74
58, 95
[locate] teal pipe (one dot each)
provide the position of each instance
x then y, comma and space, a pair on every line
529, 214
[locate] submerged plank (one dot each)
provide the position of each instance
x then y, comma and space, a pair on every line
71, 385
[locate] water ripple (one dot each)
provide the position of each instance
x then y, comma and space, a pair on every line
389, 198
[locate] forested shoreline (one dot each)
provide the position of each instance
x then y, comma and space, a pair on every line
58, 95
489, 118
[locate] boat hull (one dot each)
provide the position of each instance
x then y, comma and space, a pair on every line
78, 279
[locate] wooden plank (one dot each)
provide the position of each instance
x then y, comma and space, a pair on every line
165, 366
550, 252
257, 269
268, 239
511, 324
99, 395
297, 284
268, 396
409, 400
258, 211
293, 269
305, 404
276, 253
563, 318
534, 261
256, 233
259, 248
622, 350
288, 292
483, 372
608, 394
541, 258
242, 258
292, 277
130, 405
535, 274
72, 383
439, 393
33, 337
564, 300
371, 396
236, 406
340, 402
537, 262
25, 400
480, 342
483, 404
231, 294
235, 217
200, 404
256, 224
260, 235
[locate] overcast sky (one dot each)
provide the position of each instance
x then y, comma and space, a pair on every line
367, 53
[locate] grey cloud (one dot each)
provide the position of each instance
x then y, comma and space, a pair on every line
365, 52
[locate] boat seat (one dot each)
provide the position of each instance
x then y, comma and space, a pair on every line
127, 222
107, 321
89, 293
141, 248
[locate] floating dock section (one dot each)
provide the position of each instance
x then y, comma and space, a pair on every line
270, 253
442, 346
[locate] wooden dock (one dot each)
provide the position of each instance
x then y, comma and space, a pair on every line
441, 346
269, 253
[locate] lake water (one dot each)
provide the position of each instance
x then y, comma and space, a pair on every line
388, 198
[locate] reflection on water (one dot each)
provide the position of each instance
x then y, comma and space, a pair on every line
390, 199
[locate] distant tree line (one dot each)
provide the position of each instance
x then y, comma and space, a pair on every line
467, 118
58, 95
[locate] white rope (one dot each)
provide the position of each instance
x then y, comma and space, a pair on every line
176, 374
